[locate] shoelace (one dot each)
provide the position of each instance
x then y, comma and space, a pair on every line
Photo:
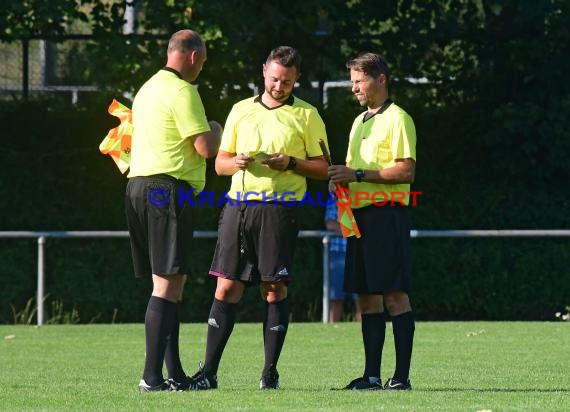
199, 379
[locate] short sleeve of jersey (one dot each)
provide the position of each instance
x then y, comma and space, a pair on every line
188, 112
355, 124
316, 131
228, 142
404, 138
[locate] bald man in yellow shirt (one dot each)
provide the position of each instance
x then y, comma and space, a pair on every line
171, 140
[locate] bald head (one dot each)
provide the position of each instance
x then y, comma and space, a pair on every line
185, 41
186, 53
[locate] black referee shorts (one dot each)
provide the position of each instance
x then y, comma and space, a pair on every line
160, 228
379, 261
256, 242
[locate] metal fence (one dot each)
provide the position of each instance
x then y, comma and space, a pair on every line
324, 235
42, 66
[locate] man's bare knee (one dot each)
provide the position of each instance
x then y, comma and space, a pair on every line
228, 290
397, 303
273, 292
169, 287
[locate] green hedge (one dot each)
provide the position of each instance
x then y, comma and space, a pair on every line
54, 178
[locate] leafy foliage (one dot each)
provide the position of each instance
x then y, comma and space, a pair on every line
31, 18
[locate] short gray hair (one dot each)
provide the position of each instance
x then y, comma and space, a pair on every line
185, 41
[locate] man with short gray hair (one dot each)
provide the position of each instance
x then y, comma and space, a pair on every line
381, 158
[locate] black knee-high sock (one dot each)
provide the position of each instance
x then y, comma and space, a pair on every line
403, 327
275, 328
172, 354
220, 326
373, 334
158, 321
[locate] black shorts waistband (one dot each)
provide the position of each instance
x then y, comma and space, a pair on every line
162, 177
244, 203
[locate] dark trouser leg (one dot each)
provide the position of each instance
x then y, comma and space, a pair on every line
172, 354
275, 325
159, 320
373, 334
403, 328
220, 326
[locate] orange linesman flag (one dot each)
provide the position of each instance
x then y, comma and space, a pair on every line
117, 143
348, 226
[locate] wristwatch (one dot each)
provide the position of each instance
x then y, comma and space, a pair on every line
292, 163
359, 173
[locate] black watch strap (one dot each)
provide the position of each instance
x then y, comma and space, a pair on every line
359, 173
292, 163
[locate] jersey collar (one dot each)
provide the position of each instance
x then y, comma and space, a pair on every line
171, 70
382, 109
290, 100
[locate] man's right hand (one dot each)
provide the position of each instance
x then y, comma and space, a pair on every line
242, 160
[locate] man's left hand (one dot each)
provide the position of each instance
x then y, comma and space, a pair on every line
278, 161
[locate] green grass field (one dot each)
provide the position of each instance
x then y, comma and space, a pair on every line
457, 366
